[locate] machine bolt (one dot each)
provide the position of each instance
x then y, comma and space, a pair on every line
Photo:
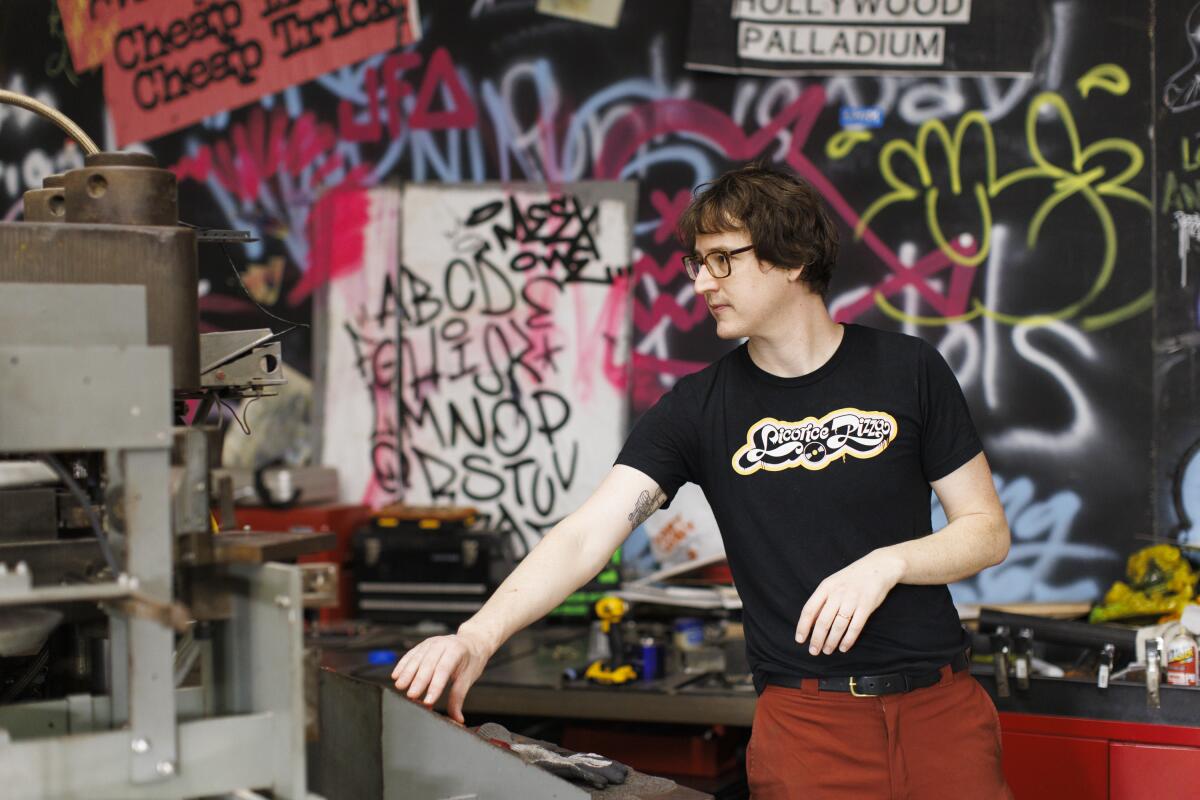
140, 745
164, 768
283, 601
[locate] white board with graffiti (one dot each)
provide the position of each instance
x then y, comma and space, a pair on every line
512, 364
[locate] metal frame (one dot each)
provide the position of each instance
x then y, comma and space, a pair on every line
66, 749
39, 391
136, 743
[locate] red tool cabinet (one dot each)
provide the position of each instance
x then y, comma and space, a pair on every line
1061, 758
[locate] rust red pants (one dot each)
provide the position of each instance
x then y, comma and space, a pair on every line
942, 741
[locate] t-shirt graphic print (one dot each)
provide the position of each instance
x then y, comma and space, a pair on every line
812, 443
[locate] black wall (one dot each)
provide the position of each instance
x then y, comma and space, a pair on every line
1050, 334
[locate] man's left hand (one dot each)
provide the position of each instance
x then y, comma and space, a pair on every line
839, 608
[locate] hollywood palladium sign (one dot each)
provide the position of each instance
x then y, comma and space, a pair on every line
791, 37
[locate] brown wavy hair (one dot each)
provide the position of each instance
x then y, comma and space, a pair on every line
782, 213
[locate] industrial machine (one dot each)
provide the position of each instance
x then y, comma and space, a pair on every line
142, 653
147, 648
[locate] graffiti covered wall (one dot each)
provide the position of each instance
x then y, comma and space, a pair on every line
1005, 219
1177, 273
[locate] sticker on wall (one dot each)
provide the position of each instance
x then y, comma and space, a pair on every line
861, 117
598, 12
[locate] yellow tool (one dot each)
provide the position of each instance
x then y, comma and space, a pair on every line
610, 610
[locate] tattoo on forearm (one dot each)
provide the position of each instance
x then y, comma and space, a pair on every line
646, 505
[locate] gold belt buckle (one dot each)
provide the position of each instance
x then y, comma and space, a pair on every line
854, 691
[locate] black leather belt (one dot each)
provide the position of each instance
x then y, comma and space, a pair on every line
873, 685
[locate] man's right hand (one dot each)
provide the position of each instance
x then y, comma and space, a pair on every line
424, 671
566, 558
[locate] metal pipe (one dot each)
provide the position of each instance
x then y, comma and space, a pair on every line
57, 117
1062, 631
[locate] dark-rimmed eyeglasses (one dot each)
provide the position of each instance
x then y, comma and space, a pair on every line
719, 262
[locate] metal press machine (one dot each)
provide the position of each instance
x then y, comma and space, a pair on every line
144, 653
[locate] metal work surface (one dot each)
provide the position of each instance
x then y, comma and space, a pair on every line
525, 678
421, 754
376, 745
1122, 701
425, 755
350, 754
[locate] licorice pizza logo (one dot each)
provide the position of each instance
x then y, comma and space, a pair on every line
812, 443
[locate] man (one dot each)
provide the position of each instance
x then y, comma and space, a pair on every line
816, 445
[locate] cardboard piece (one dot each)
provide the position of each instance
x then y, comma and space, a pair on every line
604, 13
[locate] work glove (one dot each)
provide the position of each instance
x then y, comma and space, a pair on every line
590, 768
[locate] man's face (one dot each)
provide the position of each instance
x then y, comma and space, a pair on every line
744, 302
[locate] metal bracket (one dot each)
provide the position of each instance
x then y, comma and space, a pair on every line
1153, 672
224, 236
1023, 649
1000, 650
241, 359
1107, 655
318, 585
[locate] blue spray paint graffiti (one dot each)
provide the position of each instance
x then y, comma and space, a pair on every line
1041, 533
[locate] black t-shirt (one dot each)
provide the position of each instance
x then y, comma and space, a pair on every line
806, 475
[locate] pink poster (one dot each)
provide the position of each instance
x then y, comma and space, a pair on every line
171, 64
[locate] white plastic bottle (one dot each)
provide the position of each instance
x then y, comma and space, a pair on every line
1182, 663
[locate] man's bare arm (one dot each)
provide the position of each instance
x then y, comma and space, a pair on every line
976, 537
567, 557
